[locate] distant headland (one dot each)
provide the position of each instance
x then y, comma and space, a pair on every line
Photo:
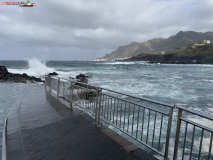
197, 53
180, 40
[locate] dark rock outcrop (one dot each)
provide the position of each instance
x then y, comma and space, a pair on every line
82, 78
173, 59
89, 92
7, 76
3, 70
53, 74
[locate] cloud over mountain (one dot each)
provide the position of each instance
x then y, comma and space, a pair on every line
68, 30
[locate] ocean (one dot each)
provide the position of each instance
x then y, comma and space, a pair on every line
184, 85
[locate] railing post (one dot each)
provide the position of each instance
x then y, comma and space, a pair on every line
71, 94
50, 85
168, 133
50, 89
4, 144
58, 89
177, 134
99, 108
96, 109
45, 82
62, 89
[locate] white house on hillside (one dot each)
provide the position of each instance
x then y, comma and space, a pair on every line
207, 41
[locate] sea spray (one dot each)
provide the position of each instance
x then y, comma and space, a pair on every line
35, 67
38, 68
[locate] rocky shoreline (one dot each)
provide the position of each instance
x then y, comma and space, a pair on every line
6, 76
172, 59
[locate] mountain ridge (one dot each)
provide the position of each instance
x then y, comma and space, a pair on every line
193, 54
181, 39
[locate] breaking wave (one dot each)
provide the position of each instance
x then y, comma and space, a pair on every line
35, 68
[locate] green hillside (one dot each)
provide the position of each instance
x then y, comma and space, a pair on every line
181, 39
193, 50
194, 53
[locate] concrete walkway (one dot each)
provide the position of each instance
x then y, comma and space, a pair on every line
38, 130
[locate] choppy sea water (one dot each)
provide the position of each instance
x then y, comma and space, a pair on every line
184, 85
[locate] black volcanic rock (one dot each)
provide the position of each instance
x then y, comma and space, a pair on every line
25, 75
3, 70
53, 74
82, 78
7, 76
35, 79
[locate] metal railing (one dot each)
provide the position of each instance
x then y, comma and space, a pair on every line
137, 117
4, 146
147, 121
196, 126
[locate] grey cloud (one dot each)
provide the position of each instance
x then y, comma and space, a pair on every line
91, 28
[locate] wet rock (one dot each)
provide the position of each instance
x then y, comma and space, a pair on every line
3, 70
172, 59
53, 74
72, 78
7, 76
35, 79
25, 75
82, 78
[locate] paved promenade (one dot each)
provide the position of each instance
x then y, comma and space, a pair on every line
38, 130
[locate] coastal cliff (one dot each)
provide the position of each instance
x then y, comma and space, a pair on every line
181, 39
193, 54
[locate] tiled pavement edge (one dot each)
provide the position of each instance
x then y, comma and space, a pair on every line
38, 130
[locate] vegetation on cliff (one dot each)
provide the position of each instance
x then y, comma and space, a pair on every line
181, 39
194, 53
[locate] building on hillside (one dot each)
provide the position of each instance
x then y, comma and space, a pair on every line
120, 59
206, 41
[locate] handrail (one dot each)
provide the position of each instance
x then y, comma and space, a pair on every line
4, 146
138, 104
150, 147
194, 124
131, 117
104, 106
196, 112
75, 82
145, 99
197, 124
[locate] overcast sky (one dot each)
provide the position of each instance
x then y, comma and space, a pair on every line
84, 29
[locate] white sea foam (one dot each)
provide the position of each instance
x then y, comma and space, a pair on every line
205, 145
211, 109
114, 63
208, 80
202, 121
36, 68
